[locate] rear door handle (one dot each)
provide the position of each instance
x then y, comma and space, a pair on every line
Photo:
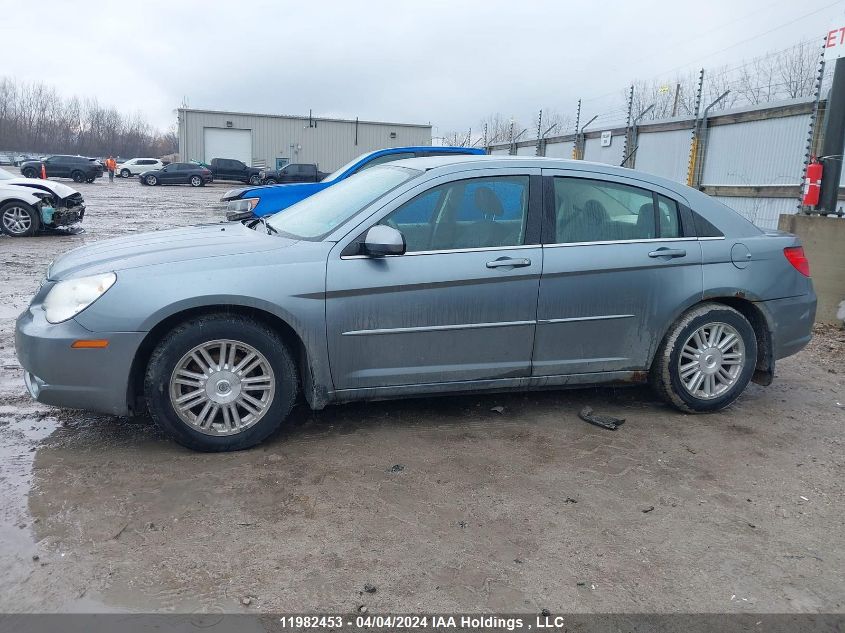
668, 252
509, 262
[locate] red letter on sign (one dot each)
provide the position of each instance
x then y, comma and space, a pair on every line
829, 42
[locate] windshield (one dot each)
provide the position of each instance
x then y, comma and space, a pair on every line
4, 175
317, 216
342, 170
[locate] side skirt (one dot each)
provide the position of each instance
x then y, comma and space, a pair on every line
528, 383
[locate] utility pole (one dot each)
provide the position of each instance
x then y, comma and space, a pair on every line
675, 102
539, 132
833, 141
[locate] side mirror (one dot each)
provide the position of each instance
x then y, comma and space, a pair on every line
382, 240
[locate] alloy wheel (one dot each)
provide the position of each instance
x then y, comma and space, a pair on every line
222, 387
17, 220
712, 359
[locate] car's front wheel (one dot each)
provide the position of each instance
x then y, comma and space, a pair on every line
125, 173
195, 181
151, 180
18, 219
78, 176
706, 360
220, 383
29, 172
254, 180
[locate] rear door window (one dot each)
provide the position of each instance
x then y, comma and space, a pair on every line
589, 210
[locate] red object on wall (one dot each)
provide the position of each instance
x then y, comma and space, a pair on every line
43, 172
813, 184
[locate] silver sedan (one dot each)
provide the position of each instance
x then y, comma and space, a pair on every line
424, 276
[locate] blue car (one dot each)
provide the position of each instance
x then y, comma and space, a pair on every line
261, 201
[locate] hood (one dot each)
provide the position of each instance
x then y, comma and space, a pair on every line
162, 247
303, 189
56, 188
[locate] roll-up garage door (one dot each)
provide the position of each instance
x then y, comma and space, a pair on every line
228, 143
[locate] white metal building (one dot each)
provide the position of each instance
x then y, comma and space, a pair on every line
265, 140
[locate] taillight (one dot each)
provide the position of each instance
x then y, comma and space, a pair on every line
796, 257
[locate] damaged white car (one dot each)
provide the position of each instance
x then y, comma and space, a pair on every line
29, 205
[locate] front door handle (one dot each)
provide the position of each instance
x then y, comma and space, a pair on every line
509, 262
668, 252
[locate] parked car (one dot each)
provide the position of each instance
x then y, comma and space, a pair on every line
7, 159
177, 174
79, 168
424, 276
231, 169
135, 166
292, 172
266, 200
28, 205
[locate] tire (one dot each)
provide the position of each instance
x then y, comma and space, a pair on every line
78, 176
18, 219
254, 180
274, 380
269, 181
151, 180
29, 173
125, 173
89, 180
682, 369
195, 181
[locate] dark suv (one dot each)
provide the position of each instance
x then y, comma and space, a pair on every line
79, 168
294, 172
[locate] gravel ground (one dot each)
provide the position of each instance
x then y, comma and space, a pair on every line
440, 504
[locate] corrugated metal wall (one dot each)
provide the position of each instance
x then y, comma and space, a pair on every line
611, 155
767, 152
763, 212
664, 153
330, 144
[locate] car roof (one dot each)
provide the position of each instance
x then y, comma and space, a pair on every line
459, 162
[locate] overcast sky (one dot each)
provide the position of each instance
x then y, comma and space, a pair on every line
439, 61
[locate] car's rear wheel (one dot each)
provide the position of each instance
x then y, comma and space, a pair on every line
151, 180
78, 176
220, 383
29, 172
195, 181
269, 181
706, 359
18, 219
90, 180
125, 173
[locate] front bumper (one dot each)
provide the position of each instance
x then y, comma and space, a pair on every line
62, 216
56, 374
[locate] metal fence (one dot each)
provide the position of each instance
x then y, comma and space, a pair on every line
750, 158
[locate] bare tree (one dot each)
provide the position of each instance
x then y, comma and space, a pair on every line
35, 118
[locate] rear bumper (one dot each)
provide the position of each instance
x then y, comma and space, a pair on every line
56, 374
791, 322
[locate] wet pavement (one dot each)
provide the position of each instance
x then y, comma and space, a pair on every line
443, 504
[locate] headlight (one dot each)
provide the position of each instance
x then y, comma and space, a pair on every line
244, 204
70, 297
